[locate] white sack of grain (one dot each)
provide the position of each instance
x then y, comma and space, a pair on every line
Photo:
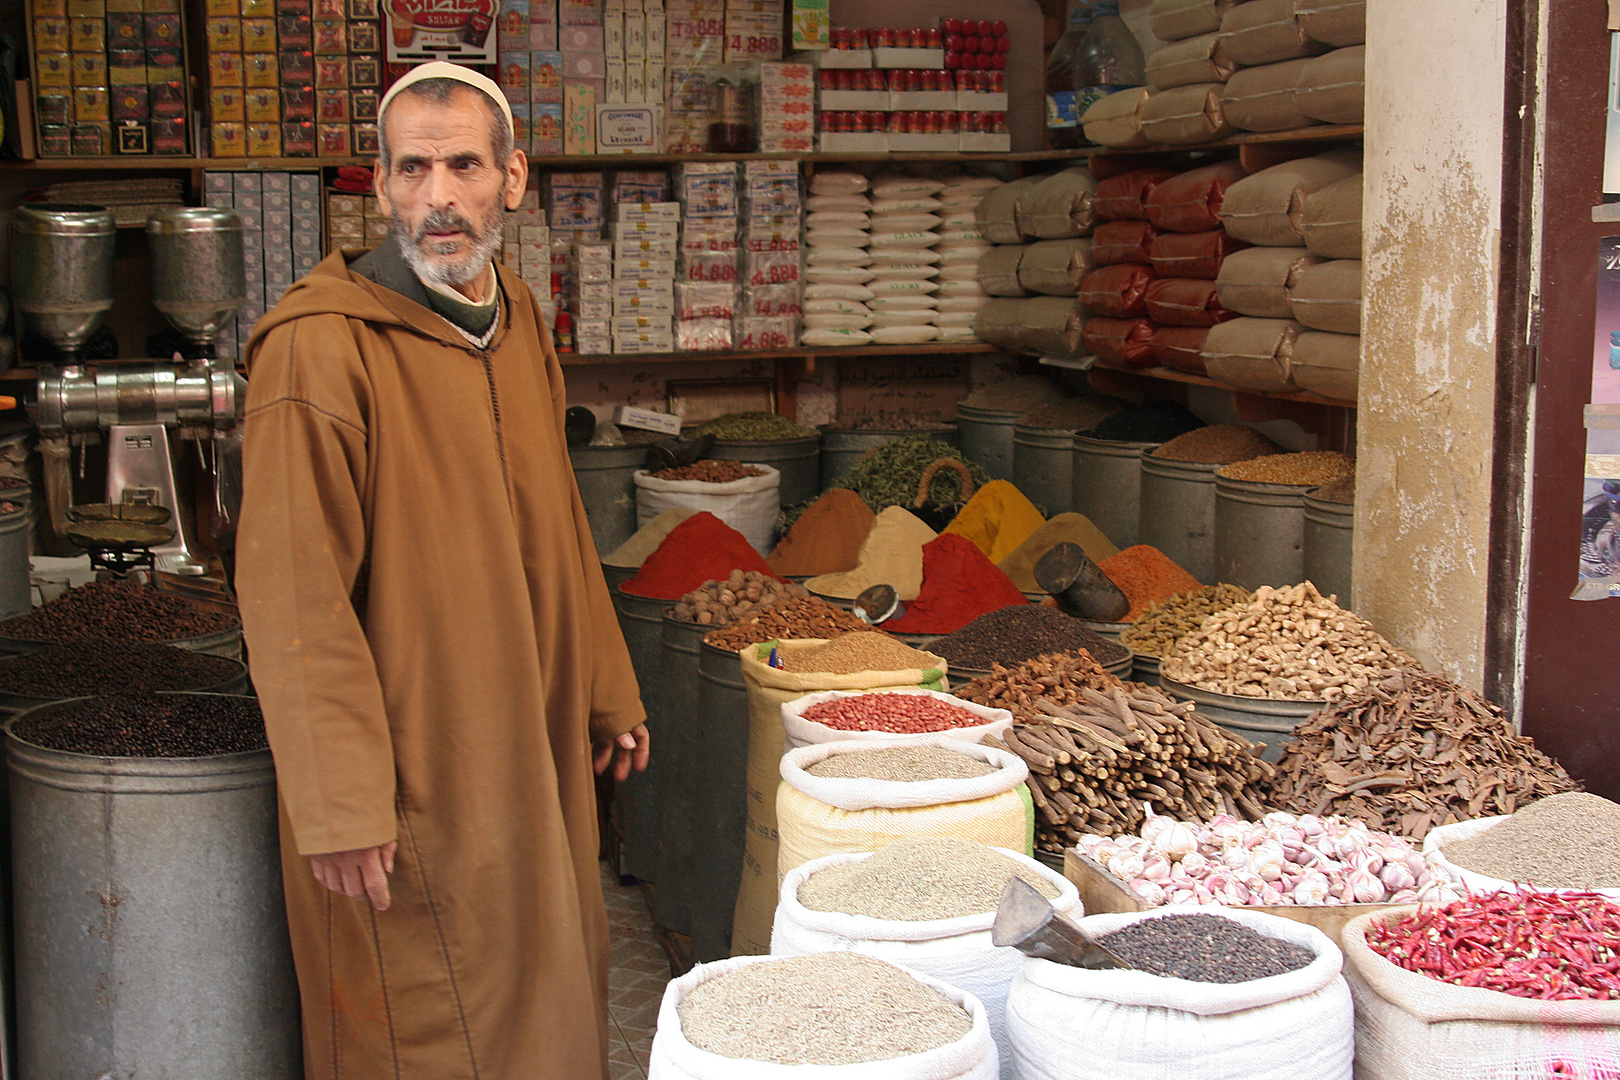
1256, 281
825, 815
1253, 354
1292, 1026
1043, 325
956, 951
1059, 205
1333, 22
1328, 364
998, 212
998, 271
1333, 88
1055, 267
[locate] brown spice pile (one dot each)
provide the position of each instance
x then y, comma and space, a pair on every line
810, 617
1055, 677
1218, 444
710, 471
1312, 468
861, 651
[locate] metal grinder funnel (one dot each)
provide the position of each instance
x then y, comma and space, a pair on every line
62, 269
198, 281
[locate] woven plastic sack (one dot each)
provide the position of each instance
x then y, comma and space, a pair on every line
1264, 98
1328, 364
825, 815
1177, 20
1195, 60
998, 271
1192, 255
1256, 281
1124, 341
1265, 32
750, 505
1125, 241
1185, 302
1330, 220
1117, 292
799, 732
1412, 1027
1187, 115
1116, 119
1333, 22
957, 951
1043, 325
1180, 347
1059, 205
1055, 267
998, 212
1191, 202
768, 689
1266, 208
1294, 1026
973, 1057
1328, 296
1125, 196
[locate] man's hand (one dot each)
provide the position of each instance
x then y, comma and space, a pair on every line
360, 874
629, 749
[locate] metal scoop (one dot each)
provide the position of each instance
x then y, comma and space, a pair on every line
676, 453
1026, 921
879, 604
1080, 586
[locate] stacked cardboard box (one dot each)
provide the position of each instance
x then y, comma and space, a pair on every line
281, 223
527, 249
768, 317
110, 77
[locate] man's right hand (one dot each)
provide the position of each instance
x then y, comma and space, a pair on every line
359, 874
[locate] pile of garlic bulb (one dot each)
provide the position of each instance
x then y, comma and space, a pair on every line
1283, 859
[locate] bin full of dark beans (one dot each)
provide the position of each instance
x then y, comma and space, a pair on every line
109, 611
1204, 948
77, 669
1011, 635
141, 724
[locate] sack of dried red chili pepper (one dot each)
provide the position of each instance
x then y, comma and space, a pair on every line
1493, 986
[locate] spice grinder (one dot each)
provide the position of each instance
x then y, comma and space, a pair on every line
62, 270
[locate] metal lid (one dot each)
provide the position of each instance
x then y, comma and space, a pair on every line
63, 219
193, 219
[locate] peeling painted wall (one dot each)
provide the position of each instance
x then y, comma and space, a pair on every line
1434, 166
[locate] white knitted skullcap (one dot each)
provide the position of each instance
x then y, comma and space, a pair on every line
443, 69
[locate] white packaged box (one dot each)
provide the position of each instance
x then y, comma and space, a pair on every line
647, 420
594, 346
593, 309
638, 230
650, 269
663, 211
662, 247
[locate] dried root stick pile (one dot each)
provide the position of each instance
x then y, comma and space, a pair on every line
1056, 678
1094, 762
1411, 752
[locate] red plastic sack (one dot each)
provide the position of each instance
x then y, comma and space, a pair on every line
1124, 341
1180, 347
1185, 302
1125, 196
1123, 242
1191, 202
1192, 255
1119, 292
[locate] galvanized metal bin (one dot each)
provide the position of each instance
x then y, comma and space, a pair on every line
236, 685
1043, 467
1177, 513
151, 932
986, 438
798, 460
1108, 486
1256, 719
636, 800
842, 448
1259, 533
721, 806
16, 596
680, 773
1329, 541
605, 475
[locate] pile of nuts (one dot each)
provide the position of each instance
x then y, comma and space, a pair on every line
1168, 621
1289, 644
710, 471
1056, 678
902, 714
810, 618
716, 603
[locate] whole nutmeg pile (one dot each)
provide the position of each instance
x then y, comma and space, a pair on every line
1289, 644
717, 603
1168, 621
710, 471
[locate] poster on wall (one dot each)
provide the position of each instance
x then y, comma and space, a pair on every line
458, 30
1600, 501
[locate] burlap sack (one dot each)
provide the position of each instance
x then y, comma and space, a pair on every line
1263, 98
1328, 364
1055, 207
1330, 220
1125, 196
1195, 60
1333, 88
1180, 347
1412, 1027
998, 271
1333, 22
1191, 202
1256, 281
998, 211
1116, 119
1328, 296
1265, 32
1265, 209
1117, 292
1253, 354
1124, 341
1043, 325
1187, 115
1176, 20
1055, 267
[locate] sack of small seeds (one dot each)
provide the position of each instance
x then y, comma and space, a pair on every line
750, 505
824, 806
801, 730
919, 880
1281, 1027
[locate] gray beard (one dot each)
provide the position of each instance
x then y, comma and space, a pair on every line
486, 242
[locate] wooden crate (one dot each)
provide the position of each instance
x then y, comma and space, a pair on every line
1101, 892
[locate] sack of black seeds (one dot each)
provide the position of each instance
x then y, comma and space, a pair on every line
1294, 1025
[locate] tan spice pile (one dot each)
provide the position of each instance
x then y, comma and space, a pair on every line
1312, 468
1218, 444
891, 554
862, 651
645, 541
902, 764
1167, 622
1569, 841
919, 880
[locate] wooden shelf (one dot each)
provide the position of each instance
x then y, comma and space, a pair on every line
1166, 374
804, 353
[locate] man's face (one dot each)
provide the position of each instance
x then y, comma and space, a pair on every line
444, 188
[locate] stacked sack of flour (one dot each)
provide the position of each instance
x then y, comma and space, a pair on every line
961, 243
1299, 287
837, 266
905, 266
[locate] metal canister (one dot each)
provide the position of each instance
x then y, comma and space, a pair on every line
198, 276
62, 268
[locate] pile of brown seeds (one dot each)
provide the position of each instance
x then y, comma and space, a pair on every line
1569, 841
110, 611
1311, 468
902, 764
862, 651
141, 724
710, 471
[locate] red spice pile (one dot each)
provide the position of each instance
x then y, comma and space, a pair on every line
1146, 576
959, 584
701, 548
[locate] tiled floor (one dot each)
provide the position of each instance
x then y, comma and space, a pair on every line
636, 980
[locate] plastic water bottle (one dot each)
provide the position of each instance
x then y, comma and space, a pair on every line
1062, 120
1108, 58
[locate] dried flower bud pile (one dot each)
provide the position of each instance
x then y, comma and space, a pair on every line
1289, 644
1094, 763
1280, 860
1055, 677
1410, 752
1167, 622
741, 594
1545, 946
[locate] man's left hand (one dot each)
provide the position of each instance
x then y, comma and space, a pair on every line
627, 751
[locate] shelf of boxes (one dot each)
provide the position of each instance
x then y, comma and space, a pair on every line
281, 225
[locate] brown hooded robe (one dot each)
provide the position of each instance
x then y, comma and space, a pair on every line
434, 648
